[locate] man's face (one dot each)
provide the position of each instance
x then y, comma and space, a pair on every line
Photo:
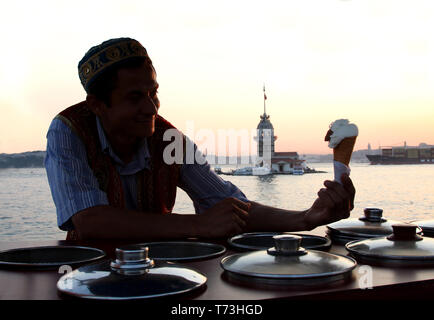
133, 104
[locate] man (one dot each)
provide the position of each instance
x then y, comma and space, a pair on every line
108, 177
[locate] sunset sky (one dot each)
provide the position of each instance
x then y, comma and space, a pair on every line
369, 61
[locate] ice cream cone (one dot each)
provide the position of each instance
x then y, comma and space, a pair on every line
342, 152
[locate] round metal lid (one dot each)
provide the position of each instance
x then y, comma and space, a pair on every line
48, 257
287, 261
427, 227
403, 248
183, 250
371, 225
131, 276
264, 240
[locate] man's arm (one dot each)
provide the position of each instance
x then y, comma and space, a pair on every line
334, 202
228, 217
264, 218
225, 219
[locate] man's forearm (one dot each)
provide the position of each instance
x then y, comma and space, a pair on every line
265, 218
106, 222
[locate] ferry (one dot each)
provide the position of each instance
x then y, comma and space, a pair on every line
298, 171
403, 155
252, 171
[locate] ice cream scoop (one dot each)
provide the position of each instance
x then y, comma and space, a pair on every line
342, 137
339, 130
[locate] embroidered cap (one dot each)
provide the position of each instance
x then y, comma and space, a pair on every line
109, 53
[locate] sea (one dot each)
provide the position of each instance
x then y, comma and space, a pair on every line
404, 192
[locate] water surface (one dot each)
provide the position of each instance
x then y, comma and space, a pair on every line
404, 192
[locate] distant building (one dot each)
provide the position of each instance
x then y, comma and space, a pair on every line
278, 162
285, 162
265, 137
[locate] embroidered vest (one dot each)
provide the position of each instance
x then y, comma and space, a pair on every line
156, 187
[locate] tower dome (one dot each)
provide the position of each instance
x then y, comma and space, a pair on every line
265, 122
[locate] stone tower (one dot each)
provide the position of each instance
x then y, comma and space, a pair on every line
265, 138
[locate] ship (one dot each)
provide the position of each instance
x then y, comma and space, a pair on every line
424, 154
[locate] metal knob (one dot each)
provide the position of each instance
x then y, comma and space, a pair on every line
404, 232
287, 243
373, 214
131, 258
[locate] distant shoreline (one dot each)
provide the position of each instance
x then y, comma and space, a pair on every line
35, 159
31, 159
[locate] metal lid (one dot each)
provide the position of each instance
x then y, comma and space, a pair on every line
427, 227
183, 250
371, 225
402, 248
287, 263
264, 240
48, 257
131, 276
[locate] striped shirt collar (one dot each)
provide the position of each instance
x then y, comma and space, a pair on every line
140, 159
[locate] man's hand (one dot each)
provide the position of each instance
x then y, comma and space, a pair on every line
333, 203
225, 219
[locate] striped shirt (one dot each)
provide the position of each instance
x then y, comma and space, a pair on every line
74, 186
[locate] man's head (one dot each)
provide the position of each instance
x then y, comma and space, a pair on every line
121, 87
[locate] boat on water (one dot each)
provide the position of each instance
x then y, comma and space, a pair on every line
246, 171
251, 171
403, 155
218, 170
261, 171
298, 171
